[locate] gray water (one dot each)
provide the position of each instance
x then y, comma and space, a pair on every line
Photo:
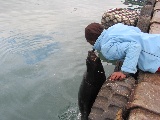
42, 56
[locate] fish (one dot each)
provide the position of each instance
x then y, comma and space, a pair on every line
92, 81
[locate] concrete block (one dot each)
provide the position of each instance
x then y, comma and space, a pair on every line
156, 17
157, 6
139, 114
146, 96
155, 28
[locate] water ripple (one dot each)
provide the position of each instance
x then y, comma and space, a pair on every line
32, 48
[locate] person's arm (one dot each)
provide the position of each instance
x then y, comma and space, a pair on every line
129, 51
132, 51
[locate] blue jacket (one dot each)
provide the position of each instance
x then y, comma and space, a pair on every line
128, 43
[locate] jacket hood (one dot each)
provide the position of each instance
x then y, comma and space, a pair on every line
97, 45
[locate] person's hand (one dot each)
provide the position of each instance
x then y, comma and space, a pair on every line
117, 76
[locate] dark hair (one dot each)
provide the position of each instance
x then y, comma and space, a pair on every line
93, 31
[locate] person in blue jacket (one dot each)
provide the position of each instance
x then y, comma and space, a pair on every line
126, 43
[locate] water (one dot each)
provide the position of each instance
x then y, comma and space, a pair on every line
43, 52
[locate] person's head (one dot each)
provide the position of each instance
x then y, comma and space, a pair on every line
92, 32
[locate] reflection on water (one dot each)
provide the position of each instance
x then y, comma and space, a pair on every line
134, 2
33, 49
40, 49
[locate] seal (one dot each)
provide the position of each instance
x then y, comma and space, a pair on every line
93, 79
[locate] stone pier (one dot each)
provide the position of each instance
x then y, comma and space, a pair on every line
145, 100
